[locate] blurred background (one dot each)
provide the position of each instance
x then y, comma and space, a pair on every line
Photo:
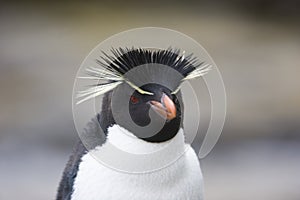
255, 44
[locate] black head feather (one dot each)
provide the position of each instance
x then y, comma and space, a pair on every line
114, 68
125, 59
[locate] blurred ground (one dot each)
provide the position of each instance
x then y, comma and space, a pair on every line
257, 51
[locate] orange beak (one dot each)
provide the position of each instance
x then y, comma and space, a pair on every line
166, 108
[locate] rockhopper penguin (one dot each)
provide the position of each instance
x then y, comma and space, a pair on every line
84, 178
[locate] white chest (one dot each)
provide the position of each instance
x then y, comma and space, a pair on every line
181, 180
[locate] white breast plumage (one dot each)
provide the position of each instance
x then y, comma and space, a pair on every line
182, 180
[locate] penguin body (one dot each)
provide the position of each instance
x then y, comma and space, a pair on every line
86, 178
180, 180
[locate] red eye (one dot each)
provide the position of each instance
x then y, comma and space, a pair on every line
134, 99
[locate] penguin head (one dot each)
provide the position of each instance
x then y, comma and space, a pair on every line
165, 69
164, 103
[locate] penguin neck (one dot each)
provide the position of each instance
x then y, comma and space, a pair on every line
124, 152
128, 142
